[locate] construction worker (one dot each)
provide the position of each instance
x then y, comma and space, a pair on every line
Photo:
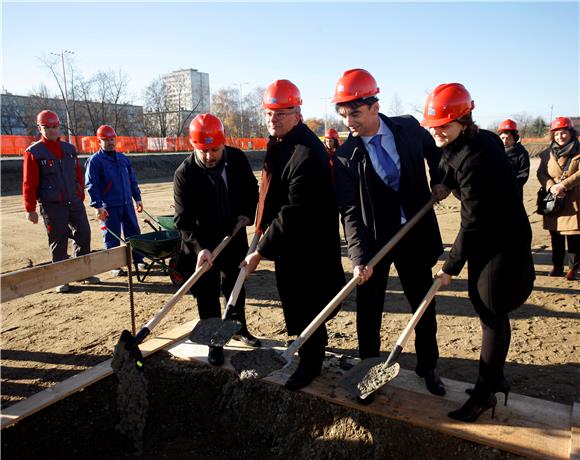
517, 154
215, 191
298, 215
331, 142
494, 237
112, 187
52, 175
381, 183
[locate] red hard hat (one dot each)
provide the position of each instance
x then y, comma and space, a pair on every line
206, 131
47, 118
355, 84
507, 125
561, 122
282, 94
106, 132
447, 102
331, 134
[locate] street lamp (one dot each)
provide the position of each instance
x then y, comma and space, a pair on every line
242, 109
325, 99
61, 54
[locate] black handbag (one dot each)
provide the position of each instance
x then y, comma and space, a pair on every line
547, 203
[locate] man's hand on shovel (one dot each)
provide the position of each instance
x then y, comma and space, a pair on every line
251, 262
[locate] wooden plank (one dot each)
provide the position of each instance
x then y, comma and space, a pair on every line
61, 390
527, 426
31, 280
575, 432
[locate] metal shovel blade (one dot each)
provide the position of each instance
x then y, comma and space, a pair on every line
256, 364
204, 330
368, 376
227, 329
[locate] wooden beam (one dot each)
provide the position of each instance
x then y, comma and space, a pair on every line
575, 433
31, 280
530, 427
29, 406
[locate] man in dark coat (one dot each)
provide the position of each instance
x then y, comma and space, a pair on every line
297, 210
381, 183
215, 191
518, 156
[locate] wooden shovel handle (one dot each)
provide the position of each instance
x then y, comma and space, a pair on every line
418, 313
190, 282
346, 290
241, 278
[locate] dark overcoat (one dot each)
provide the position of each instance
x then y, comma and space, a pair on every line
495, 234
302, 235
368, 214
196, 208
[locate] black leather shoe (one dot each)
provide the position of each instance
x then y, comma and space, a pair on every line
366, 401
473, 408
557, 271
432, 381
302, 377
215, 356
248, 339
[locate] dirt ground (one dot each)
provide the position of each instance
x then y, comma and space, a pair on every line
48, 337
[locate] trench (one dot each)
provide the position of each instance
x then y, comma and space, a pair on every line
195, 411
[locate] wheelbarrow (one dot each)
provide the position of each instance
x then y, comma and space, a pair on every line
155, 246
164, 222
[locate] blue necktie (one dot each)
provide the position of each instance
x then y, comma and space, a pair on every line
384, 164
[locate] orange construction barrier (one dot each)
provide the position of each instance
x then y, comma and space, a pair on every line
16, 145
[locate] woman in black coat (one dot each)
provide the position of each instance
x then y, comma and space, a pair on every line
494, 237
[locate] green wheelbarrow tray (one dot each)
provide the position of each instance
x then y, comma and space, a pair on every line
157, 245
166, 222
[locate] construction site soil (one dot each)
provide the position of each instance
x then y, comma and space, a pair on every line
201, 412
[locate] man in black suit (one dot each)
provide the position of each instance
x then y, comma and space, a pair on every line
381, 183
297, 212
215, 191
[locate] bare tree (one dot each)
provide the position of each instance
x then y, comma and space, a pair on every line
396, 106
225, 105
156, 109
316, 125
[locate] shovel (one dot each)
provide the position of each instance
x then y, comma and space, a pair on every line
259, 363
216, 332
372, 374
130, 345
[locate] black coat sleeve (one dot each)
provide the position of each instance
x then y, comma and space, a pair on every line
248, 192
349, 206
185, 215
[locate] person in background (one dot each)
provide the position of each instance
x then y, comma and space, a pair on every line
215, 192
381, 183
112, 186
53, 176
494, 237
298, 215
331, 142
518, 156
559, 173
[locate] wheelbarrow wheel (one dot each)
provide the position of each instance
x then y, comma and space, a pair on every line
176, 278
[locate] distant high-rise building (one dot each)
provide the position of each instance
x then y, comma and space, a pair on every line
187, 89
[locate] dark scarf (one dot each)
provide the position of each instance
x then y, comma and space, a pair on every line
224, 217
568, 149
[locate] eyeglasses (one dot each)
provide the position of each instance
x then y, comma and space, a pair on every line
271, 115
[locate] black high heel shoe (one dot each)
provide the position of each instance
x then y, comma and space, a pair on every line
503, 387
473, 408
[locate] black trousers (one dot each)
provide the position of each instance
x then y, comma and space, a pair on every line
219, 280
416, 279
559, 248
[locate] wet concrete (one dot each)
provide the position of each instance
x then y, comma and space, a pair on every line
206, 413
256, 364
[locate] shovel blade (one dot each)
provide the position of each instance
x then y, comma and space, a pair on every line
369, 376
256, 364
204, 330
126, 354
227, 329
